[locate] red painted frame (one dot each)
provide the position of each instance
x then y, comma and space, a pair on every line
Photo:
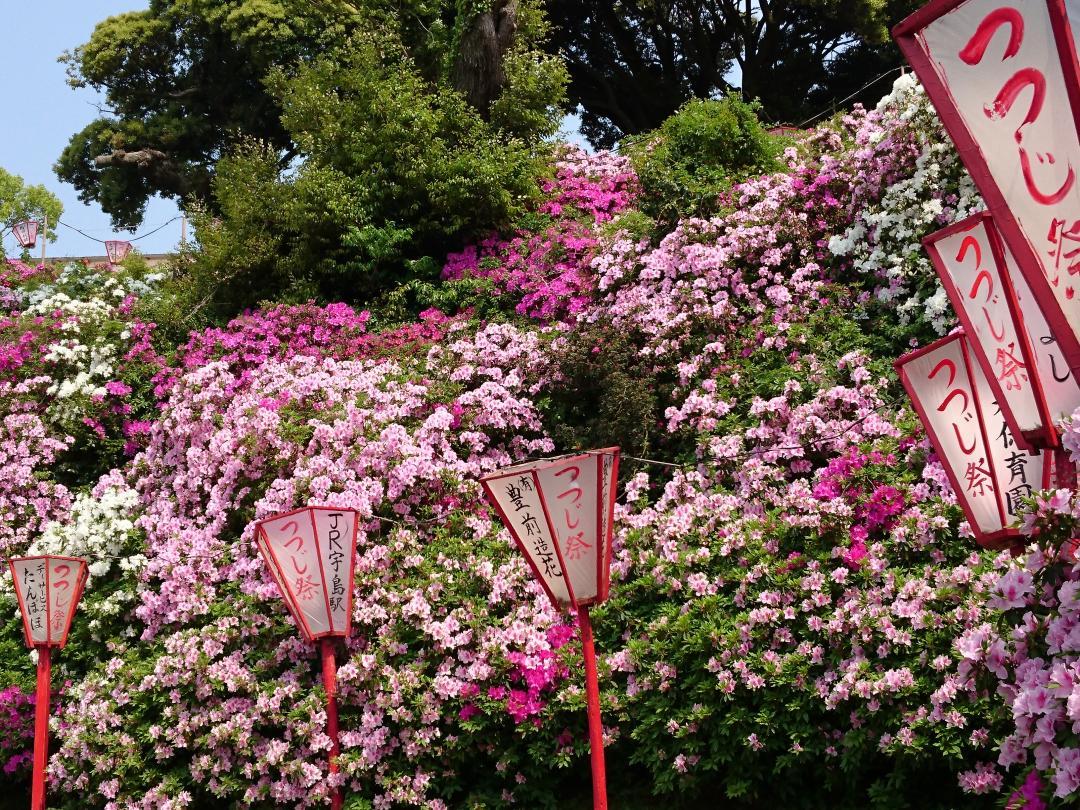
267, 553
80, 583
1002, 538
906, 35
603, 561
1032, 440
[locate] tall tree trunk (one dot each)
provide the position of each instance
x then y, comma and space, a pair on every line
478, 69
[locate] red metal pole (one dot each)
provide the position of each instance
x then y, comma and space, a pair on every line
41, 728
329, 678
596, 729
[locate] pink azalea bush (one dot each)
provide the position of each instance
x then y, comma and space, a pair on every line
16, 729
547, 270
799, 614
1030, 657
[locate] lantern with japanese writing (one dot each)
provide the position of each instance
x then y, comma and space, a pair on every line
311, 554
117, 250
1007, 330
559, 512
48, 589
989, 473
26, 233
1004, 79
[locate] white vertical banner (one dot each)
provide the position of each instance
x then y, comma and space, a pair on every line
571, 489
939, 378
31, 587
1003, 77
1018, 474
515, 493
335, 530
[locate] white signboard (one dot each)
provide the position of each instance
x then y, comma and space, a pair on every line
559, 512
31, 588
294, 552
335, 530
515, 492
1003, 77
940, 379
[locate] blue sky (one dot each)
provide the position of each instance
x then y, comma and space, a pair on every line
42, 113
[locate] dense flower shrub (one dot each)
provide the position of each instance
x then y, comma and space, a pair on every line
16, 730
925, 189
546, 270
799, 614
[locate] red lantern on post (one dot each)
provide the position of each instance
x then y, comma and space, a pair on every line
48, 589
1008, 331
559, 512
117, 250
989, 473
311, 554
26, 233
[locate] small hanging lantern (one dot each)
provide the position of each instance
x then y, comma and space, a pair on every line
48, 589
311, 554
560, 512
26, 233
989, 473
117, 250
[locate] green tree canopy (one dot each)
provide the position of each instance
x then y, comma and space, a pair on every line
635, 62
19, 201
394, 150
186, 81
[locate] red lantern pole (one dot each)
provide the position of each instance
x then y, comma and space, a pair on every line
569, 550
329, 674
41, 728
319, 544
596, 728
48, 589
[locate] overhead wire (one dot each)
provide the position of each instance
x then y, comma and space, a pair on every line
835, 104
132, 239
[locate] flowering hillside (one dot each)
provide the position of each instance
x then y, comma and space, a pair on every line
798, 612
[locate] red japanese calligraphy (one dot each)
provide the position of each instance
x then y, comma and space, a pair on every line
60, 585
967, 448
1066, 246
295, 538
1012, 370
576, 547
63, 571
305, 588
1020, 82
299, 541
975, 50
969, 243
